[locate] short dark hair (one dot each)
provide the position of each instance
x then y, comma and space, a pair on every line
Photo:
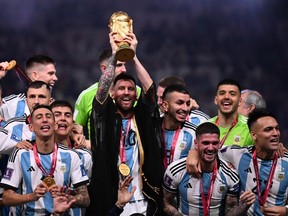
229, 82
171, 80
37, 85
174, 88
38, 106
207, 128
105, 55
257, 114
124, 76
39, 59
62, 103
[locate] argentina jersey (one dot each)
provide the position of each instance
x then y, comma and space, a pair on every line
13, 131
241, 159
184, 142
22, 172
14, 106
197, 117
86, 158
132, 158
178, 181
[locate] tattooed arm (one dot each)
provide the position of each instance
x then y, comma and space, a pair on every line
232, 208
168, 208
81, 197
106, 79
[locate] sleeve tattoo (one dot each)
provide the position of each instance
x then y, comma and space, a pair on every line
106, 80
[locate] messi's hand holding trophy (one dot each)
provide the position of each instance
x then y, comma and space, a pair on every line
121, 24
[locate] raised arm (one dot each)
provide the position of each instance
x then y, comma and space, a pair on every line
107, 77
141, 72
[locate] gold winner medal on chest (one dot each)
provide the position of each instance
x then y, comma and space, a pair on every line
124, 169
49, 181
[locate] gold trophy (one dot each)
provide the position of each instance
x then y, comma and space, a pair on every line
121, 23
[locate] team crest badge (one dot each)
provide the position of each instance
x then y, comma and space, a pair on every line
221, 189
62, 168
237, 140
280, 176
182, 146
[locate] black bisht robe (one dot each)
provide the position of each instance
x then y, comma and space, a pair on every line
105, 141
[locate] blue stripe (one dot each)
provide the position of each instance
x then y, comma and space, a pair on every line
188, 138
184, 193
20, 108
66, 159
27, 177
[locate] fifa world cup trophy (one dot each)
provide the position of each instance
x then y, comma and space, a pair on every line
121, 23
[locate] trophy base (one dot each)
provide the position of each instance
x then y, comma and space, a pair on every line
124, 53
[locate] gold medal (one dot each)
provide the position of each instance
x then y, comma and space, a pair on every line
49, 181
262, 209
124, 169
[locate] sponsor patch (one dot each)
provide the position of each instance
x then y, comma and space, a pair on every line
8, 173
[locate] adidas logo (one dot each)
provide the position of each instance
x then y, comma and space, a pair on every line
248, 170
30, 169
188, 185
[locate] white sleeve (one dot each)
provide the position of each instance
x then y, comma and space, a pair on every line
78, 173
7, 144
13, 175
86, 157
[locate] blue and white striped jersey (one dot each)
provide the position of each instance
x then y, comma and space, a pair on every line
13, 131
132, 160
14, 106
86, 158
185, 141
177, 180
241, 159
197, 117
22, 172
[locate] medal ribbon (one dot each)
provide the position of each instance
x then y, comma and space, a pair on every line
122, 142
38, 161
172, 150
262, 200
226, 135
207, 200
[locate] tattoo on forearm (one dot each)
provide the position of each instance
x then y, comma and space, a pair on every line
106, 81
232, 207
82, 197
169, 209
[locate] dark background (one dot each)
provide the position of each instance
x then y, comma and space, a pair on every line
203, 41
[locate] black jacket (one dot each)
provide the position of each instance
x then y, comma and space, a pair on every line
105, 139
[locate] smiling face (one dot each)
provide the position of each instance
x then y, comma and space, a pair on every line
266, 134
42, 123
43, 72
207, 145
64, 120
176, 106
124, 94
227, 99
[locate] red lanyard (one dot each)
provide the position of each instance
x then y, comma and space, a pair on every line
207, 200
262, 200
38, 161
122, 142
172, 150
226, 135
